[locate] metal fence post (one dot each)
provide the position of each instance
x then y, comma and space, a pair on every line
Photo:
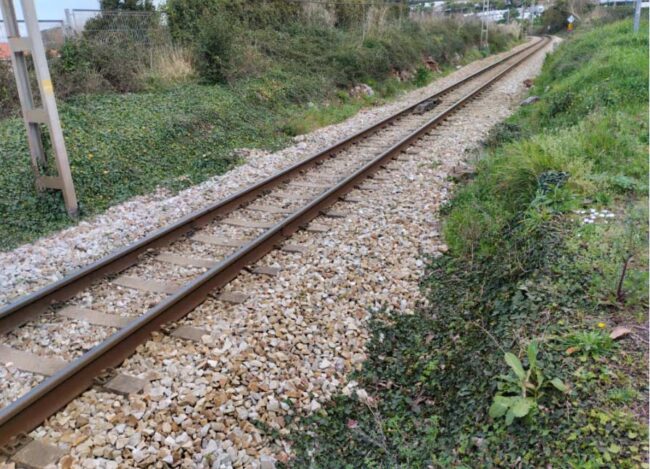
47, 114
484, 24
69, 27
637, 15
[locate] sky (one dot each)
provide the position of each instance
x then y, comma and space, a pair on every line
54, 9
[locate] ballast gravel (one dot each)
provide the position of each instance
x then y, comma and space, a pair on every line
288, 348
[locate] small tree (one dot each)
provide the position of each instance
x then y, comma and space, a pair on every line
128, 5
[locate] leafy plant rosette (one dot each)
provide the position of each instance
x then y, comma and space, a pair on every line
521, 389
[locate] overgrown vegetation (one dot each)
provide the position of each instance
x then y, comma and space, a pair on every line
237, 74
534, 351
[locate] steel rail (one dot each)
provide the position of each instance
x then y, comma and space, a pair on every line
54, 392
20, 311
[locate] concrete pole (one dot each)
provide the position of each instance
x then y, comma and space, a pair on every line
637, 16
69, 28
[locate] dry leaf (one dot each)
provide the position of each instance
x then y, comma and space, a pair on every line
619, 332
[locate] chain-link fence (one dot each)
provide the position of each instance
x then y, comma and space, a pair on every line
103, 26
53, 32
145, 27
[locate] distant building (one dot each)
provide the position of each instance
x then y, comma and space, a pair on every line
528, 13
621, 2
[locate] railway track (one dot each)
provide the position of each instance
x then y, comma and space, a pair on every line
161, 278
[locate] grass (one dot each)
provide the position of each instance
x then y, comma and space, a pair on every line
123, 145
316, 116
538, 244
180, 133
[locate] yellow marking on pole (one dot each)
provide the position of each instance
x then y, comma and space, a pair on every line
47, 86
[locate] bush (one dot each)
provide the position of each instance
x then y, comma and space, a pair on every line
74, 71
233, 43
217, 45
422, 76
593, 111
9, 103
186, 16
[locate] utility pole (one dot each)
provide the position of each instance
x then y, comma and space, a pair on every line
637, 15
69, 25
484, 24
47, 115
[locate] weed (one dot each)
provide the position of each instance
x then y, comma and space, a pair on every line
623, 395
8, 93
422, 76
520, 390
169, 66
589, 344
319, 116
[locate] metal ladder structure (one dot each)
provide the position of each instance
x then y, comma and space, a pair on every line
38, 117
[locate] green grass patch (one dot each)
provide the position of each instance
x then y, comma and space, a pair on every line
314, 116
513, 365
124, 145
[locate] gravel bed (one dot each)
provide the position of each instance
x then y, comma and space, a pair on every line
14, 383
108, 298
197, 249
153, 269
34, 265
288, 348
230, 232
258, 215
56, 336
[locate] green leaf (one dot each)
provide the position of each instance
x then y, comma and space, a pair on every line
521, 407
559, 385
509, 417
499, 407
515, 364
531, 351
614, 448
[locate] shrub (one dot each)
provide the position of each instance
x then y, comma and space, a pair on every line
87, 66
74, 71
422, 76
186, 16
216, 47
9, 103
